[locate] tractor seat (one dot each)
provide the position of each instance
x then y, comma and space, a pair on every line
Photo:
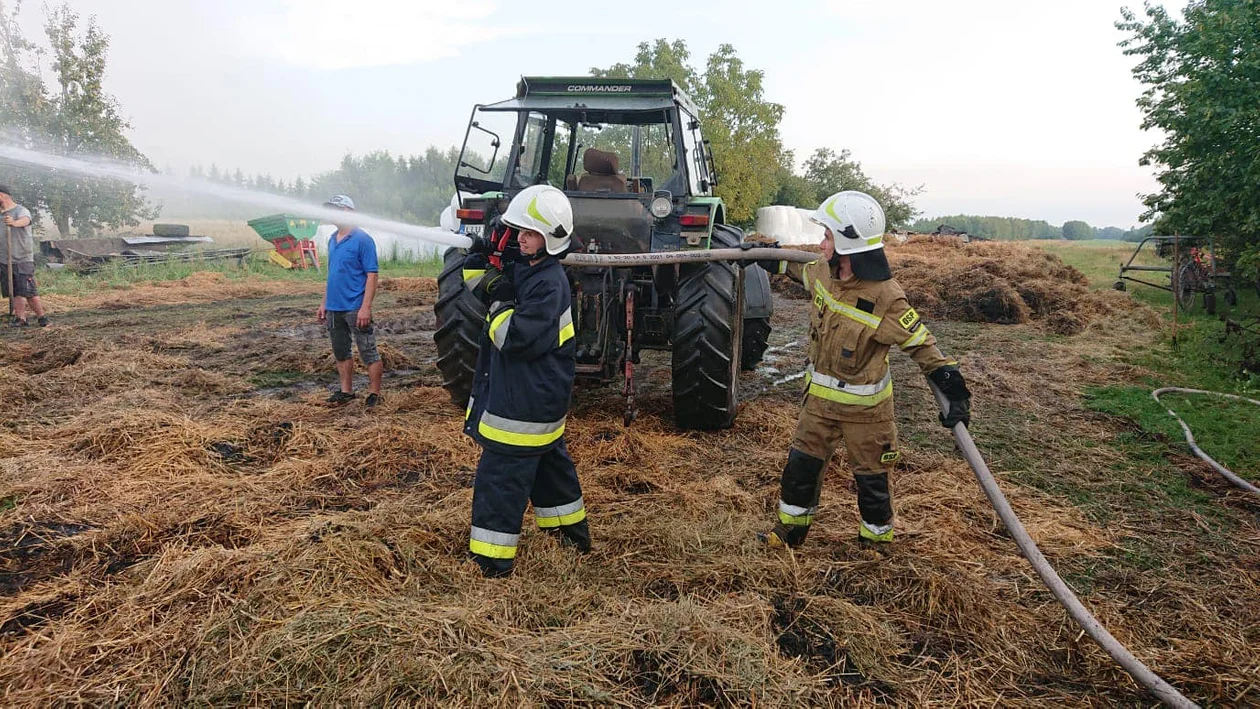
601, 173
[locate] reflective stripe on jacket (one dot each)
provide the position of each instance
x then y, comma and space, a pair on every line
853, 325
525, 366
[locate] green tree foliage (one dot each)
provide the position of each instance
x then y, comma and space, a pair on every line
1016, 229
1000, 228
1139, 233
1202, 78
414, 188
828, 173
753, 167
77, 118
1077, 231
742, 126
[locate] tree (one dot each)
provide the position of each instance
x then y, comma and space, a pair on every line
794, 190
829, 173
1201, 76
1077, 231
79, 118
1000, 228
23, 98
740, 123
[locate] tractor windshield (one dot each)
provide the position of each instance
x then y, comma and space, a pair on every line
606, 152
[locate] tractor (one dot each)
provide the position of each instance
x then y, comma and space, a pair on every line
577, 134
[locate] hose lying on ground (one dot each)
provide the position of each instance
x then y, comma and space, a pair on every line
1138, 671
1226, 472
658, 258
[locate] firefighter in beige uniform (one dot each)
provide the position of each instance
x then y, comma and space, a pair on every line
859, 313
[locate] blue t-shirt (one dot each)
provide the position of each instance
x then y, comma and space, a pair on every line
349, 263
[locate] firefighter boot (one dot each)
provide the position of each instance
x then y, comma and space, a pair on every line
875, 505
800, 488
492, 568
577, 536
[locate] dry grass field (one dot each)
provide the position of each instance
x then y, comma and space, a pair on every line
183, 521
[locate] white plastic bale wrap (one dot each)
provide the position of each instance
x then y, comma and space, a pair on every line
790, 226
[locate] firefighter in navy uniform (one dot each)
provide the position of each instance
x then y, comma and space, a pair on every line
524, 379
859, 313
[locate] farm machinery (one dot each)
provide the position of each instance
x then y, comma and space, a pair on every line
1195, 270
630, 291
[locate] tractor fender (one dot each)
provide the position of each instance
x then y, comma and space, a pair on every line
758, 301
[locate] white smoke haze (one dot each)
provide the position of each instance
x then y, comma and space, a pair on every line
108, 169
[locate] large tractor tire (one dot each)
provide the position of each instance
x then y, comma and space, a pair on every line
169, 230
708, 331
460, 319
758, 301
756, 340
758, 308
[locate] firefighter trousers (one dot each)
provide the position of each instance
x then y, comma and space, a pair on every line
504, 485
872, 452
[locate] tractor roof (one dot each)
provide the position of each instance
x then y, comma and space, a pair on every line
558, 94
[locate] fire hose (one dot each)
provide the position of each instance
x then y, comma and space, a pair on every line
1079, 613
1165, 692
659, 258
1225, 472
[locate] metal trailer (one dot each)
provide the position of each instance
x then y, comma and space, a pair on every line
1194, 269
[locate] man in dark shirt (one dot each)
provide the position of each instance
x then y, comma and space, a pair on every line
347, 306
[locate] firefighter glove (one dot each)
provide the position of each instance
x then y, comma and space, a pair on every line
769, 266
495, 287
480, 246
950, 381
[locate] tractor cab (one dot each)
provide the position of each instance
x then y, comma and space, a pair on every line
628, 152
631, 158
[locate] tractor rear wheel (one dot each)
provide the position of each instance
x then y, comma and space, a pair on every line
756, 337
708, 331
756, 340
460, 319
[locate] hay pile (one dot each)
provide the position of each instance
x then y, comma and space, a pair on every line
172, 543
998, 282
1001, 282
412, 291
199, 287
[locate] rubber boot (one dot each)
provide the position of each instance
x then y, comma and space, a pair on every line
783, 536
577, 536
877, 533
875, 505
800, 488
492, 568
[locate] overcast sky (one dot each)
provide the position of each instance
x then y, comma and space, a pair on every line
1004, 107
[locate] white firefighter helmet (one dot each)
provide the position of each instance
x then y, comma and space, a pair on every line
855, 219
544, 209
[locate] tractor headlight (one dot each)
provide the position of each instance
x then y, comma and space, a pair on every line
661, 207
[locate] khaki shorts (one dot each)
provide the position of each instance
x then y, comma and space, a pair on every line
341, 328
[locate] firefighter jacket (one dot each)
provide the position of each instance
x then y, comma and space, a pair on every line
525, 365
852, 326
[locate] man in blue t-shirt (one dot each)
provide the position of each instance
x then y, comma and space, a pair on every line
347, 306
